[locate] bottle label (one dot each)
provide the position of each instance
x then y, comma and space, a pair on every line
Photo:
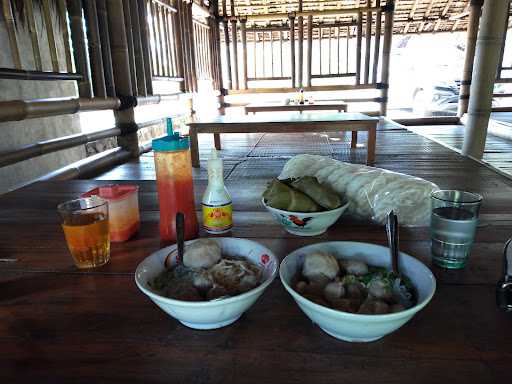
217, 218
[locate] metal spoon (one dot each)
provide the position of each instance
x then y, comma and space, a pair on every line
392, 232
400, 291
180, 236
504, 288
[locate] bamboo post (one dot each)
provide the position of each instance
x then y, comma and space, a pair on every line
235, 45
300, 21
235, 54
167, 45
28, 7
228, 53
137, 49
243, 32
359, 37
63, 17
368, 40
386, 51
320, 41
178, 42
272, 53
376, 51
11, 32
475, 11
347, 47
79, 47
95, 54
146, 51
108, 71
50, 35
292, 49
190, 35
504, 40
263, 52
488, 47
125, 118
157, 38
310, 48
184, 45
338, 33
280, 52
330, 49
129, 39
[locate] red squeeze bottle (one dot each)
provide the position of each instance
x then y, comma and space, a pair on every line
175, 186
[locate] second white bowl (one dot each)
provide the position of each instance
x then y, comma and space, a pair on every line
350, 326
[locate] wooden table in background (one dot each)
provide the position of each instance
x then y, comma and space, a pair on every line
62, 325
283, 107
294, 122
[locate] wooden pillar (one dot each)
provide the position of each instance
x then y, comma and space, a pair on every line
108, 71
125, 118
488, 47
243, 32
292, 49
358, 53
129, 39
386, 55
310, 48
475, 11
11, 32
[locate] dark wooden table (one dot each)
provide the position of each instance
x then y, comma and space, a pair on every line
61, 325
339, 106
293, 122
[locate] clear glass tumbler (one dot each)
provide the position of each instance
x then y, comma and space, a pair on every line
85, 225
453, 226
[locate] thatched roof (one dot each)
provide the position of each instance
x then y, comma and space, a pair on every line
411, 16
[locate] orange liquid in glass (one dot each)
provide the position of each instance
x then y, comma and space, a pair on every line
88, 239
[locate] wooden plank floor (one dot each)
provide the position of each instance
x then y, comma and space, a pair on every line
498, 150
263, 155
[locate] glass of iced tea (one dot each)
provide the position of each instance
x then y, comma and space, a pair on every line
85, 225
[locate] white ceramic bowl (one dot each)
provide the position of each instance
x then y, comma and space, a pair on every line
304, 223
354, 327
216, 313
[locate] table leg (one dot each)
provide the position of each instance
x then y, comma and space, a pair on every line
194, 148
216, 139
353, 143
372, 138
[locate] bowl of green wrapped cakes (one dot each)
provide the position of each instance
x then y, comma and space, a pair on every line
303, 206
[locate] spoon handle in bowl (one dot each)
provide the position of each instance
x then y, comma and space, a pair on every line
180, 235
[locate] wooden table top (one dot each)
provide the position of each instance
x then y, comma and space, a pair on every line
60, 324
297, 118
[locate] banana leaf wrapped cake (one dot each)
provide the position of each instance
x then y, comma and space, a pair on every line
303, 194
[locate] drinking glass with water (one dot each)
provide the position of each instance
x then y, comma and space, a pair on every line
453, 226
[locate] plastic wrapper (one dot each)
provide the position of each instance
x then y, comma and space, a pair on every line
371, 192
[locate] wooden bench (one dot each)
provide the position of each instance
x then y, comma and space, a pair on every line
283, 107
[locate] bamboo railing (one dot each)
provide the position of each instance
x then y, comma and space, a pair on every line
118, 49
343, 48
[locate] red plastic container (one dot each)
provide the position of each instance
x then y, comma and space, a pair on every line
123, 207
175, 186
